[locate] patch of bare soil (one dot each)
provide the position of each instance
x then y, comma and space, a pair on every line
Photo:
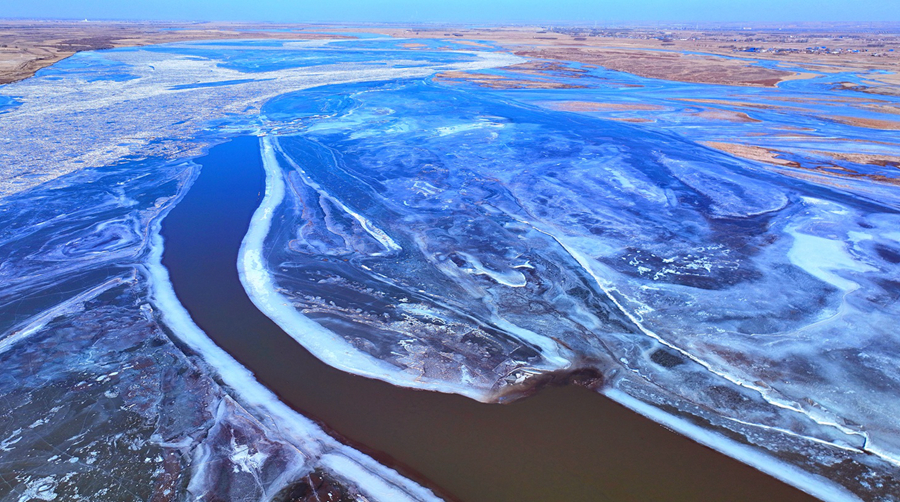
774, 157
888, 125
28, 46
668, 65
725, 115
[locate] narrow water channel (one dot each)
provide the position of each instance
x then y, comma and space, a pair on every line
562, 444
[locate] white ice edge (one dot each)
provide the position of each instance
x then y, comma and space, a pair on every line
38, 322
816, 486
511, 278
549, 348
376, 233
324, 344
360, 469
767, 394
251, 271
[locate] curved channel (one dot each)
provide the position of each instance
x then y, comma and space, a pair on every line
564, 443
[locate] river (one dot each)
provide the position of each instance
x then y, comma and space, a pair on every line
563, 443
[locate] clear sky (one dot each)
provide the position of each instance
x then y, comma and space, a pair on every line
460, 11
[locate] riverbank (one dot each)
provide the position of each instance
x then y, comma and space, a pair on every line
564, 443
27, 46
708, 56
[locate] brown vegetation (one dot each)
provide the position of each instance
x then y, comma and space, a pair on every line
547, 69
667, 65
863, 158
28, 46
751, 152
34, 45
773, 157
873, 88
888, 125
725, 115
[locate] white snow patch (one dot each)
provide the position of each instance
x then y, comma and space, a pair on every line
821, 258
511, 278
454, 129
245, 461
40, 489
15, 437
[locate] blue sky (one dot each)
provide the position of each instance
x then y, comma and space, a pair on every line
474, 11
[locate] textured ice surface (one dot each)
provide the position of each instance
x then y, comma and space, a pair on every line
154, 100
111, 391
444, 237
101, 403
471, 240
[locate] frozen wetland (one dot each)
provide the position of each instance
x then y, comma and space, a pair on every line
439, 235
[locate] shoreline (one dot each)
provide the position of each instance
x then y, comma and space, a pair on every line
334, 350
367, 474
469, 450
29, 47
251, 268
758, 456
38, 44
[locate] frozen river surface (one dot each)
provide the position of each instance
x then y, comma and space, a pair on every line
438, 235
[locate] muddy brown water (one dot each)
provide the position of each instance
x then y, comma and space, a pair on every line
562, 444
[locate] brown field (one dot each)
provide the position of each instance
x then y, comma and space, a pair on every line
891, 109
888, 125
667, 65
726, 115
26, 46
874, 87
773, 157
889, 79
624, 50
800, 76
751, 152
863, 158
546, 69
874, 105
